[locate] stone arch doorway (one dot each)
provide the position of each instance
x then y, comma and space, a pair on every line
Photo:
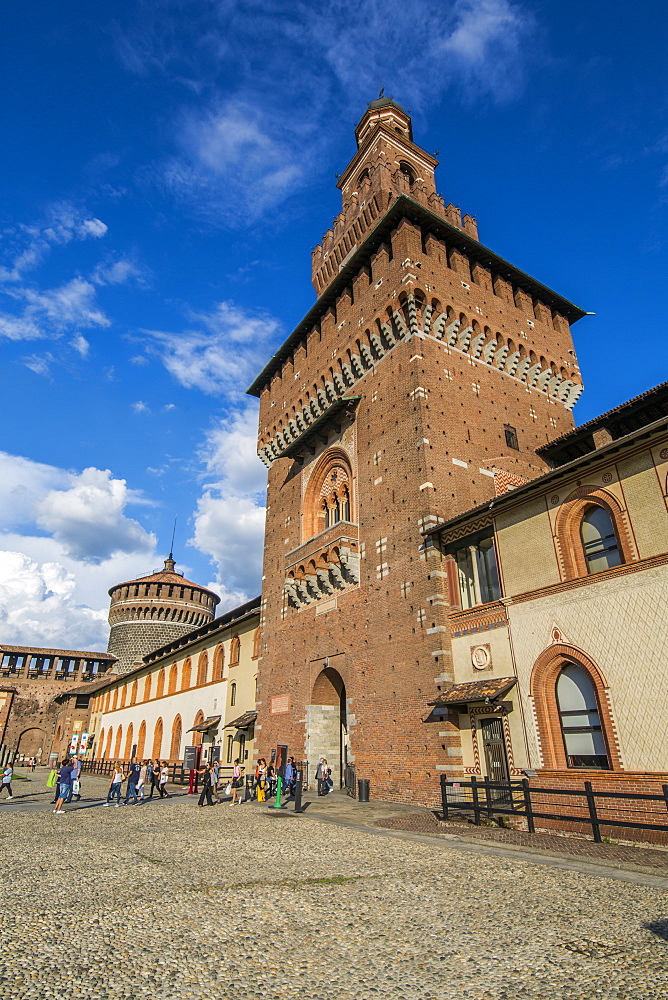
327, 724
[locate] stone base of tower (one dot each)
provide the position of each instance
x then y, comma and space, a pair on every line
130, 641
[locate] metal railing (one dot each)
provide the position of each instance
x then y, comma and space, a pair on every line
585, 807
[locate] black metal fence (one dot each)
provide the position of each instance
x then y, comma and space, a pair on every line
584, 807
349, 782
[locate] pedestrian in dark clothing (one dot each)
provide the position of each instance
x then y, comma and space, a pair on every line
207, 780
155, 778
133, 778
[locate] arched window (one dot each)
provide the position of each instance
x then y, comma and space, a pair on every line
119, 738
147, 688
219, 662
592, 532
173, 676
175, 748
197, 737
128, 742
235, 650
141, 740
161, 683
328, 497
599, 541
107, 752
584, 742
133, 693
256, 643
124, 693
157, 739
408, 172
101, 744
115, 701
202, 668
186, 674
233, 694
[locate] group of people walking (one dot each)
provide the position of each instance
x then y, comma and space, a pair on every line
139, 775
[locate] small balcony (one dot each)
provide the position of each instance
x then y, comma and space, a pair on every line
323, 566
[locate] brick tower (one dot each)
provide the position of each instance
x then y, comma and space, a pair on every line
151, 611
420, 384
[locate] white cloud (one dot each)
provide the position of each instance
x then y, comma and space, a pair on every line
230, 453
80, 345
140, 407
222, 355
230, 515
38, 606
53, 585
230, 530
89, 519
236, 160
40, 364
50, 313
63, 224
117, 272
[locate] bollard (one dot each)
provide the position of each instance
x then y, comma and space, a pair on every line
279, 789
363, 790
299, 775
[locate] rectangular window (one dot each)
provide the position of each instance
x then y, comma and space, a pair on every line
230, 748
477, 573
511, 437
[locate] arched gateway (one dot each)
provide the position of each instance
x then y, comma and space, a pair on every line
327, 724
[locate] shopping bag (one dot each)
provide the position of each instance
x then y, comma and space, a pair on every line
228, 788
51, 780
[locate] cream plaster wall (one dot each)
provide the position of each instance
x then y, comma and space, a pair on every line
526, 548
621, 624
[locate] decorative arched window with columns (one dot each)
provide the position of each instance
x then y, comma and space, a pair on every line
592, 533
573, 712
329, 494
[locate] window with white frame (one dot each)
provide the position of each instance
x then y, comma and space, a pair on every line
477, 573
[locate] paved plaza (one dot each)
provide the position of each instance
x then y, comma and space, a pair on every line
170, 901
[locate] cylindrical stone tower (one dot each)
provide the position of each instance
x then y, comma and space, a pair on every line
152, 611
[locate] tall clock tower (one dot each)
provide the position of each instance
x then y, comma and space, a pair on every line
420, 384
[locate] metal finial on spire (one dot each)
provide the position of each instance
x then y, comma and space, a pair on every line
171, 547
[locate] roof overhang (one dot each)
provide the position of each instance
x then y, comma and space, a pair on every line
473, 691
204, 727
244, 721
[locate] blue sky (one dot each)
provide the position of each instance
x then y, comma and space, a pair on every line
166, 168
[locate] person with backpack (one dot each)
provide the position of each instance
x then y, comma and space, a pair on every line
7, 776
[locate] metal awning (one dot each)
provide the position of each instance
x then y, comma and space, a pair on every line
209, 723
461, 694
244, 721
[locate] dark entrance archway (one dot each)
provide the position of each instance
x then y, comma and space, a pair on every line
327, 724
31, 742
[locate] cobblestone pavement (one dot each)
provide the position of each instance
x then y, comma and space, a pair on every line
643, 859
171, 901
